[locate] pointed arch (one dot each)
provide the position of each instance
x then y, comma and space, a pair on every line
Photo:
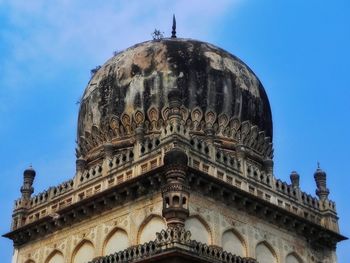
293, 257
149, 227
199, 228
232, 241
55, 256
116, 240
83, 252
265, 253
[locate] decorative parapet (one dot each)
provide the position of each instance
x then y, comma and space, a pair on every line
48, 195
211, 159
223, 127
90, 174
173, 239
121, 158
227, 167
305, 198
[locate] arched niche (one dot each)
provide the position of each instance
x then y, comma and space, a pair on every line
293, 258
84, 252
117, 240
265, 253
29, 261
199, 229
233, 242
55, 257
150, 227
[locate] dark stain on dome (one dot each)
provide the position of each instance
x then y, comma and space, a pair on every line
208, 77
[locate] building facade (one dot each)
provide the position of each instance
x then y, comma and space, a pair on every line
174, 164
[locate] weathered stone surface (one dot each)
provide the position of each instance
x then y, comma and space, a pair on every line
140, 78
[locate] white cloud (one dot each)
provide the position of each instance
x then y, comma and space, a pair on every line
45, 35
95, 28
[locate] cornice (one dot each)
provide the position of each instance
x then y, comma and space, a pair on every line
110, 198
199, 182
209, 186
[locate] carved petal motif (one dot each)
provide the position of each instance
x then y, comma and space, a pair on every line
210, 117
222, 120
196, 114
126, 121
253, 136
153, 114
165, 113
184, 112
139, 117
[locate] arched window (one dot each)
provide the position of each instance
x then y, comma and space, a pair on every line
55, 257
265, 253
84, 252
232, 242
29, 261
150, 227
199, 231
116, 241
293, 258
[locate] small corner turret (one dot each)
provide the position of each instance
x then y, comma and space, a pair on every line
295, 179
327, 207
321, 182
28, 179
21, 205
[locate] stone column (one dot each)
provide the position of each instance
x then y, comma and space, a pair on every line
174, 98
176, 191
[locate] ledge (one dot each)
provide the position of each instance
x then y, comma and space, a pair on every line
200, 182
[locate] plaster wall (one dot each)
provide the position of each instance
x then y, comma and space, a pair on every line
257, 237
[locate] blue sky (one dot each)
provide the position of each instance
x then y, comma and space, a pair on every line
299, 49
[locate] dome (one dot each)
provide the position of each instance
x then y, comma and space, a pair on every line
139, 78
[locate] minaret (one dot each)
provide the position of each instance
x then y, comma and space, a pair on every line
320, 177
22, 204
176, 191
28, 179
329, 215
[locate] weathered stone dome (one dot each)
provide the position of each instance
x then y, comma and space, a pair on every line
139, 78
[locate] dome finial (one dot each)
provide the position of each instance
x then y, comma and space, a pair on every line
173, 32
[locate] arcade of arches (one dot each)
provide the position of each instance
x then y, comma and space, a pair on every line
117, 240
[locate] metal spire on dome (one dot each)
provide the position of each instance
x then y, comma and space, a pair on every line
173, 32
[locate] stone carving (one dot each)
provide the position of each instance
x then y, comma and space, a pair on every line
167, 240
195, 121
